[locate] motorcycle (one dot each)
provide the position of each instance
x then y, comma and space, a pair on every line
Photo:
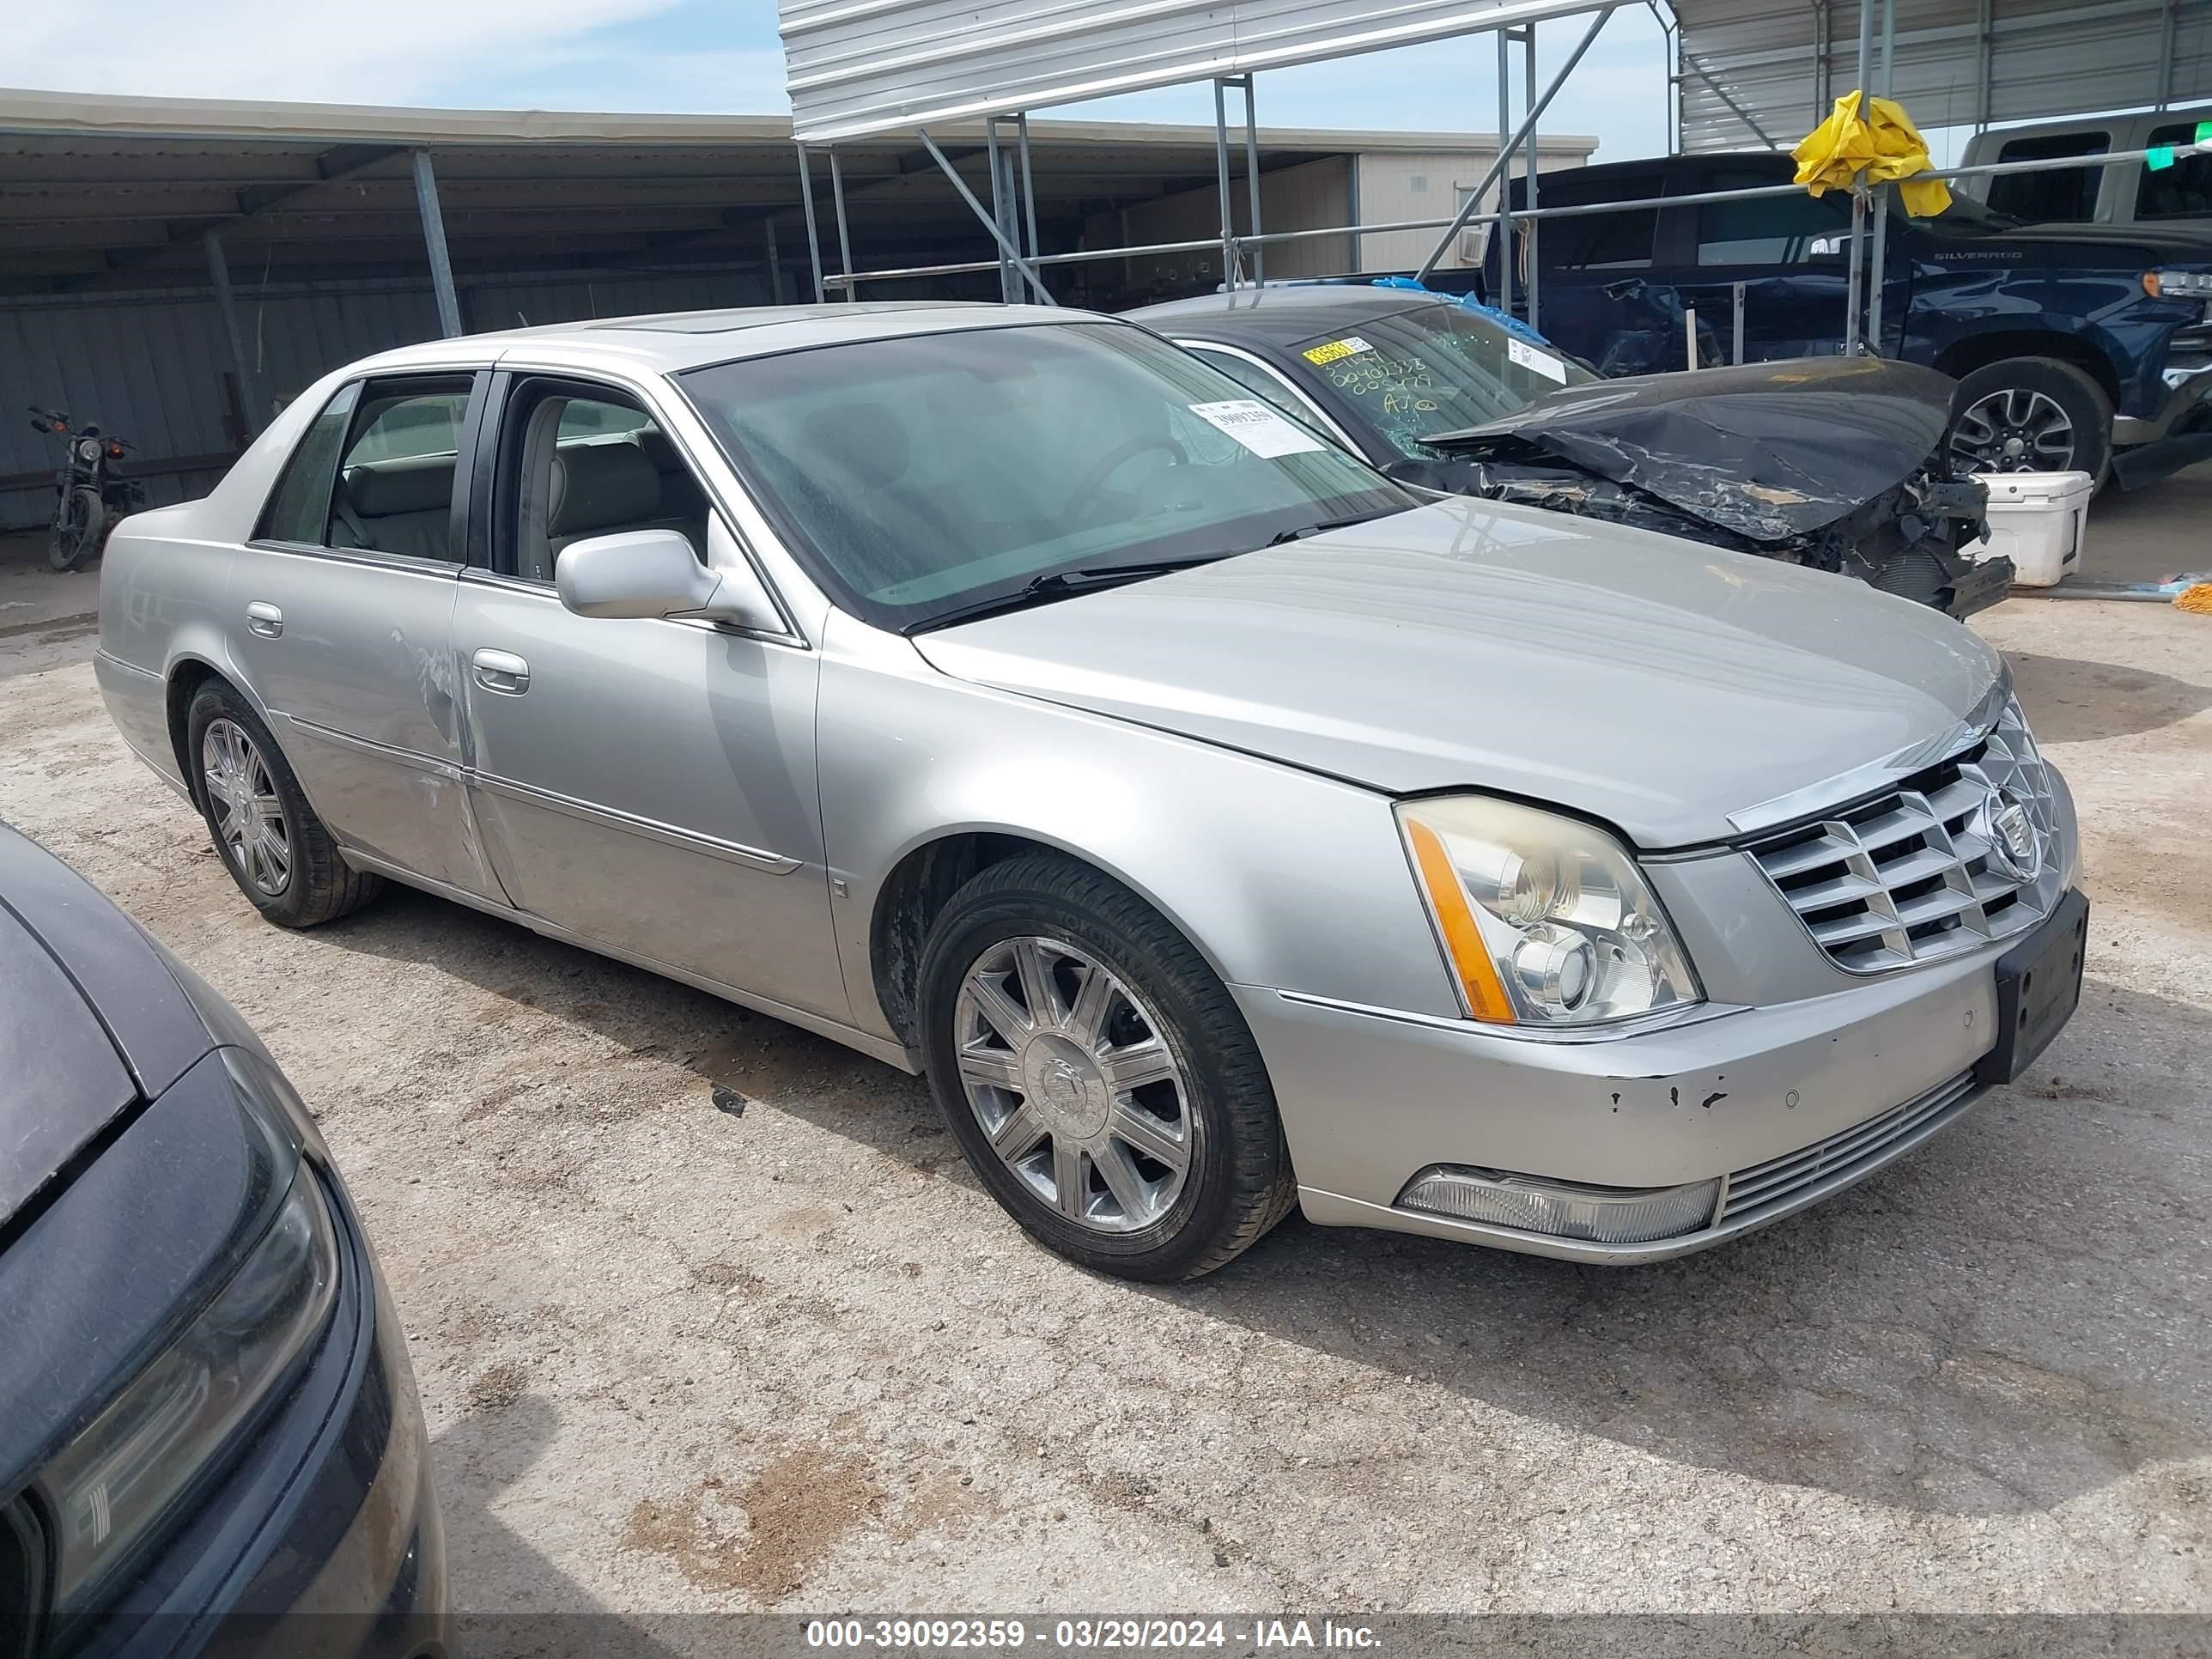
89, 497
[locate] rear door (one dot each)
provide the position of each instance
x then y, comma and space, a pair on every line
1789, 252
1594, 268
648, 784
338, 613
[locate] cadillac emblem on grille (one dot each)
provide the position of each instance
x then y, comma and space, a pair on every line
2010, 833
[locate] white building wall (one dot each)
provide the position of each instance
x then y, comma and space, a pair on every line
1400, 185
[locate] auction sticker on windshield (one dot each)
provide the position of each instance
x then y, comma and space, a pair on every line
1349, 346
1542, 361
1257, 427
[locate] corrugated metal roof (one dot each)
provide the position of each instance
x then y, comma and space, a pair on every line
1781, 63
856, 68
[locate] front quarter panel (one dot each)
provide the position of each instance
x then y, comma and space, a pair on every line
1280, 878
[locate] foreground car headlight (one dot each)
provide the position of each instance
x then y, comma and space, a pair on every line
1560, 1209
110, 1486
1544, 920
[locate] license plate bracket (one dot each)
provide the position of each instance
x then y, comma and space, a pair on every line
2039, 986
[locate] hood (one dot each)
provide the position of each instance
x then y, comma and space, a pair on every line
2145, 243
61, 1080
1770, 450
1646, 681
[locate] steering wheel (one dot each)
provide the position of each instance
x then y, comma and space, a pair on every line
1119, 456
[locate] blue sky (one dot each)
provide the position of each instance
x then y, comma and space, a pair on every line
723, 56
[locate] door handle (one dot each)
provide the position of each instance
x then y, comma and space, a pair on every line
265, 619
501, 671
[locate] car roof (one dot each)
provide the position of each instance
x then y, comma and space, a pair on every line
670, 342
1280, 316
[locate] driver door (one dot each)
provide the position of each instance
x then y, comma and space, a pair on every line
646, 784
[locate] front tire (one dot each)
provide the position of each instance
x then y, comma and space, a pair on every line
79, 519
1098, 1074
273, 846
2031, 415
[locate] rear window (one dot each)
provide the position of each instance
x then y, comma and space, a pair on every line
2183, 190
2059, 196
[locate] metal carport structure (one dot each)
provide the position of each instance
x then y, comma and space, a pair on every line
1744, 72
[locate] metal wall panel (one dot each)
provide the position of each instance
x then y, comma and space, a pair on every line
858, 67
151, 365
2045, 58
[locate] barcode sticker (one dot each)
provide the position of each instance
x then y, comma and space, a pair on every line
1257, 427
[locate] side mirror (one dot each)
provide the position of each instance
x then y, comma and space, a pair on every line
654, 572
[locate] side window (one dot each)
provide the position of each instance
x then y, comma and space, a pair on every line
395, 491
1618, 241
299, 510
578, 462
1768, 230
1260, 382
2060, 196
2181, 190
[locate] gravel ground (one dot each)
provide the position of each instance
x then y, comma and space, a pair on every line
677, 1357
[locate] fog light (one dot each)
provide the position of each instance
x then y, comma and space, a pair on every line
1560, 1209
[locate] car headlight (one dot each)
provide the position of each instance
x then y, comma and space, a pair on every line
1545, 920
2177, 284
134, 1464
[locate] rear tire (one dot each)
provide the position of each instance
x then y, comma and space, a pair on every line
2031, 415
1098, 1074
270, 839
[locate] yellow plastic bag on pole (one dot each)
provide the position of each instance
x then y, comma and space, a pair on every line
1887, 145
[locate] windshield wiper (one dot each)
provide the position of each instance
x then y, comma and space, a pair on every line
1301, 531
1060, 584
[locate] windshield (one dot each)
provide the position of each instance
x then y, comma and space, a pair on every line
928, 474
1412, 373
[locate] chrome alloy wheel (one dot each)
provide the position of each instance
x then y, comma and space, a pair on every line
2015, 429
249, 816
1069, 1073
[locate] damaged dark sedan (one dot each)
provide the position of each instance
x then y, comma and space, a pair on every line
1832, 462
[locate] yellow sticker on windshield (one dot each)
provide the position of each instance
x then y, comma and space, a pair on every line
1349, 346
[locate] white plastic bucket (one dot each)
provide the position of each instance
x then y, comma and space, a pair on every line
2038, 520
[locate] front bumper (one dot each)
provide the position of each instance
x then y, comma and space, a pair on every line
1784, 1105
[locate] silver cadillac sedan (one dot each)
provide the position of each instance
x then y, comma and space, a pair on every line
1218, 826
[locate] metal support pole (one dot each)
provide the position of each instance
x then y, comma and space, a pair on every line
844, 237
775, 290
1851, 289
1221, 182
434, 236
1252, 181
1689, 335
1474, 203
1528, 96
1502, 238
1878, 261
249, 391
1735, 305
1005, 246
1028, 185
813, 232
1009, 291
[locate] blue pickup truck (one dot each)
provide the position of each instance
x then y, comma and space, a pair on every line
2075, 346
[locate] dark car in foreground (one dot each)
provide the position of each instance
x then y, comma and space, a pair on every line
2076, 347
208, 1431
1838, 464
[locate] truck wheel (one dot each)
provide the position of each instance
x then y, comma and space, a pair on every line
2031, 415
1097, 1075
